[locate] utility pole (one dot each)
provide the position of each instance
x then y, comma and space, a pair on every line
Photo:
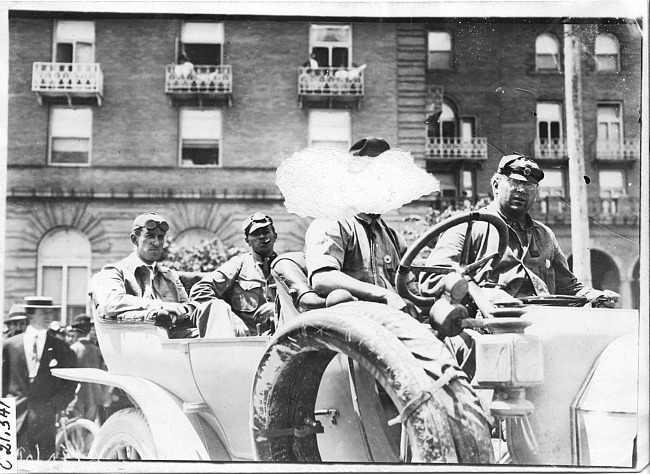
575, 149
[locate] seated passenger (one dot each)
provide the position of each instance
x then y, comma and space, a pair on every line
359, 254
245, 281
138, 288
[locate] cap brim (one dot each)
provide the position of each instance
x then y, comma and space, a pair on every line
258, 225
36, 306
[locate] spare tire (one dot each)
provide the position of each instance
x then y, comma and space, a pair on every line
445, 425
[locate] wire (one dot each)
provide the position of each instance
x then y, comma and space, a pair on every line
597, 224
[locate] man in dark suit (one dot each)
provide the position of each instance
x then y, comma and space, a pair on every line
27, 360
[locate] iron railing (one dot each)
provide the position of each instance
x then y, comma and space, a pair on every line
199, 79
457, 148
83, 78
344, 81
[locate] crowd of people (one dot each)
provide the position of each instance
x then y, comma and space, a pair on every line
358, 255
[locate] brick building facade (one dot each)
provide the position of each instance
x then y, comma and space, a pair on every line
133, 134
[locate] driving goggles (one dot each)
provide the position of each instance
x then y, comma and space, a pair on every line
258, 217
151, 224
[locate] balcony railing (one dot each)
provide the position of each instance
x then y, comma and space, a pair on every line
627, 150
550, 149
206, 80
457, 148
70, 80
331, 82
619, 210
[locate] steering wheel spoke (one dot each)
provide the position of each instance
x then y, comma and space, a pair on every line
409, 264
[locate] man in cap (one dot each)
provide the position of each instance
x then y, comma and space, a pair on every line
89, 395
245, 281
16, 321
533, 263
27, 360
359, 254
138, 288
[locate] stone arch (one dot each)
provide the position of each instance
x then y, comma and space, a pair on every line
605, 274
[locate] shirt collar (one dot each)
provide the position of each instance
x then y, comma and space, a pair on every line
31, 331
527, 224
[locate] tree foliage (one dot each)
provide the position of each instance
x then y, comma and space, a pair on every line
204, 257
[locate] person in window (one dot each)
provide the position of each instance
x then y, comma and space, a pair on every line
245, 281
138, 288
533, 263
184, 70
358, 254
27, 361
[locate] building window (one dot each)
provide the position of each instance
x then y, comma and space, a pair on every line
64, 258
610, 124
549, 122
612, 187
332, 44
446, 125
607, 54
440, 52
200, 137
551, 190
330, 129
547, 53
70, 136
467, 188
201, 43
74, 42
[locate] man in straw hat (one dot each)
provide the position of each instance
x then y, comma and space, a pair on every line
360, 254
27, 361
139, 288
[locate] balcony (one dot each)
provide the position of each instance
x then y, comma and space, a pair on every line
456, 149
330, 85
202, 83
76, 82
551, 149
626, 151
605, 210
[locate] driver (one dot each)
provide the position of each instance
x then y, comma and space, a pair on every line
533, 263
358, 254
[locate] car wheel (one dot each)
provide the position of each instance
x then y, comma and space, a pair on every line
125, 435
74, 441
444, 425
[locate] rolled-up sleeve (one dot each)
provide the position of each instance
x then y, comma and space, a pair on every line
217, 282
325, 244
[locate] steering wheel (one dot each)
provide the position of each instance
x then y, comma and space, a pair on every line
406, 264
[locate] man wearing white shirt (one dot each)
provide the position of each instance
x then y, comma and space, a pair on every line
27, 360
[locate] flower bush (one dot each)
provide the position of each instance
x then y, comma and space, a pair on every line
205, 257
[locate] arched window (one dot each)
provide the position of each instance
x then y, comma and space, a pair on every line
604, 272
547, 53
192, 237
64, 258
446, 124
607, 53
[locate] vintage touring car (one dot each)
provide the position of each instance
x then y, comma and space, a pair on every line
555, 383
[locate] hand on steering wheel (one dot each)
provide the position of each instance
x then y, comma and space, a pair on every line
406, 264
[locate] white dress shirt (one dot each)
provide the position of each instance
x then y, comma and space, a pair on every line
28, 343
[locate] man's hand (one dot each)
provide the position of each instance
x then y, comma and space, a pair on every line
396, 301
166, 318
177, 309
606, 299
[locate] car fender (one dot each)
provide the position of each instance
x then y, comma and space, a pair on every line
177, 435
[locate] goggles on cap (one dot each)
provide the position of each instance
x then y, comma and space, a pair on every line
151, 224
259, 218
